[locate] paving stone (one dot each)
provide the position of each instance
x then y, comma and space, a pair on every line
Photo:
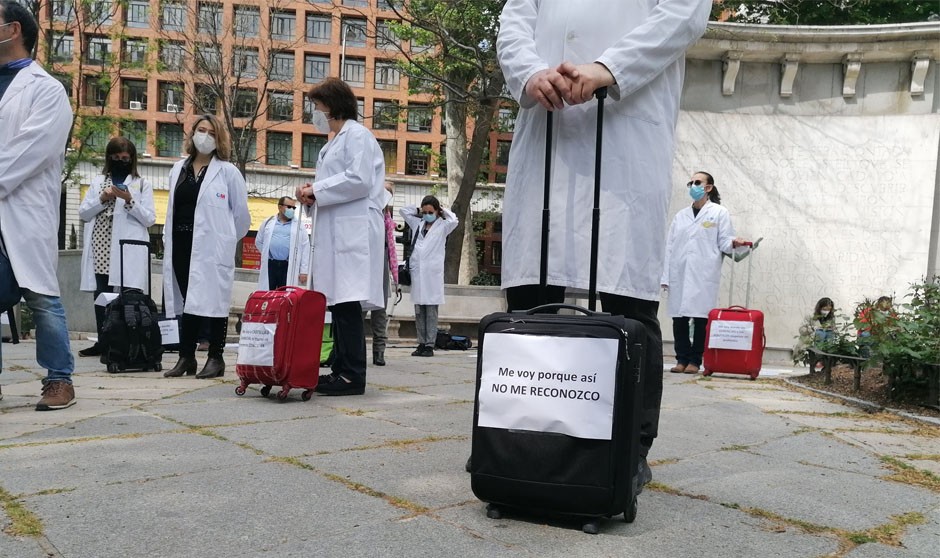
117, 423
882, 443
443, 419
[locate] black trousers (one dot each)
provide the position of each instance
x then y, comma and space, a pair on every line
689, 351
101, 286
349, 342
277, 274
524, 297
191, 325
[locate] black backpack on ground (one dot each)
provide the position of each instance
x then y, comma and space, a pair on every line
448, 342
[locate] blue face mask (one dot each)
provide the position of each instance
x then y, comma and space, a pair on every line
697, 192
289, 214
430, 217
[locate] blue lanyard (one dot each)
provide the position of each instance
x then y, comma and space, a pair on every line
17, 64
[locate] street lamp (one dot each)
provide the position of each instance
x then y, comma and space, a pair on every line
342, 60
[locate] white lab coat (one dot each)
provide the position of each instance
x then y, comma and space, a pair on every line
221, 220
643, 43
349, 238
301, 251
693, 259
427, 257
35, 118
130, 224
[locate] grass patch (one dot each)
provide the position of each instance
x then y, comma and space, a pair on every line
351, 412
734, 448
395, 501
23, 523
906, 474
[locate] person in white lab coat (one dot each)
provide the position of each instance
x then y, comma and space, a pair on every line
379, 316
207, 214
118, 205
554, 56
430, 225
282, 245
698, 236
36, 118
349, 234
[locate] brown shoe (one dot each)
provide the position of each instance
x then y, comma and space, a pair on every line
214, 368
678, 369
56, 395
691, 369
184, 366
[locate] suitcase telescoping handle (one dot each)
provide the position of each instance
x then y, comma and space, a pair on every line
124, 241
601, 94
311, 212
747, 292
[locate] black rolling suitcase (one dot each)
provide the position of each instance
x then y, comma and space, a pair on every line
130, 334
557, 409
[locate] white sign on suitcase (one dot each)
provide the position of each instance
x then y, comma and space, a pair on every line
256, 344
730, 334
548, 384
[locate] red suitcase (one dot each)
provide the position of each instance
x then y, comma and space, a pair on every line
279, 343
734, 336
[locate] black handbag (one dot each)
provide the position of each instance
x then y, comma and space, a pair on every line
10, 292
404, 270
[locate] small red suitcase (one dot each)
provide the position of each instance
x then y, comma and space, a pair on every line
734, 337
279, 343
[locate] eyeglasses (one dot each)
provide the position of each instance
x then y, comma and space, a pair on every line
289, 206
121, 159
694, 182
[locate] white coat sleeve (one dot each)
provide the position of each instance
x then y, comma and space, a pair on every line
670, 240
725, 233
355, 182
91, 204
304, 253
644, 52
515, 47
259, 238
143, 211
410, 215
238, 201
450, 223
41, 137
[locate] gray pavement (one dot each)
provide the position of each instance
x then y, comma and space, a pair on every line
147, 466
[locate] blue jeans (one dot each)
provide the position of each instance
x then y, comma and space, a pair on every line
53, 351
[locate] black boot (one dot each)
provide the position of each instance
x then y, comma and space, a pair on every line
184, 366
94, 350
214, 368
419, 351
378, 357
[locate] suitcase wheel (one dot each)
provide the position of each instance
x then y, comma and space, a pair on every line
591, 527
307, 394
282, 395
240, 390
753, 377
265, 391
706, 372
157, 367
630, 515
493, 512
113, 367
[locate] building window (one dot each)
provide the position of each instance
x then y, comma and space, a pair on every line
98, 51
245, 63
419, 118
169, 140
95, 133
390, 153
383, 4
354, 32
63, 10
135, 52
247, 21
282, 25
96, 93
208, 59
385, 37
246, 103
316, 68
245, 142
280, 106
138, 14
310, 150
506, 120
210, 18
282, 66
136, 132
207, 100
319, 28
171, 97
62, 47
502, 152
356, 3
99, 12
173, 16
134, 94
385, 115
387, 75
417, 158
279, 148
354, 72
66, 81
172, 56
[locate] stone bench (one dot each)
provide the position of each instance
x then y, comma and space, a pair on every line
829, 359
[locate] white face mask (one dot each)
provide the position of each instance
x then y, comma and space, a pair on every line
204, 143
6, 40
320, 122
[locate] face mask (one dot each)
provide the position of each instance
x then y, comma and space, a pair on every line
289, 214
6, 40
203, 142
697, 192
430, 217
120, 168
320, 122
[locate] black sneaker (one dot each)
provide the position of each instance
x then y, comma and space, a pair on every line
419, 351
93, 351
428, 351
341, 386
